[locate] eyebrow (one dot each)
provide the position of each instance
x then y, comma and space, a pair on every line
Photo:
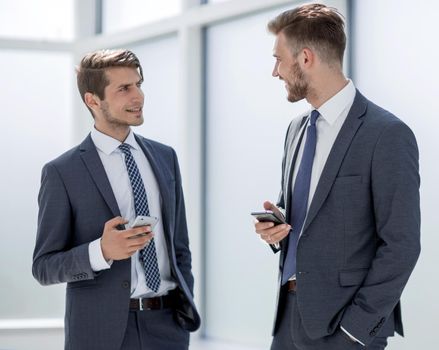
140, 81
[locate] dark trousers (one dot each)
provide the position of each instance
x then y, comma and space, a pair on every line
292, 336
154, 330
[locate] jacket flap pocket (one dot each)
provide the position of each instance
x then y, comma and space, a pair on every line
352, 277
82, 284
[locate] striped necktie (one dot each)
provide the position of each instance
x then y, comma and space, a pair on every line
147, 255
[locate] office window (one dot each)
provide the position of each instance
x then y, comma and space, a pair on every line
36, 120
163, 122
42, 19
121, 15
247, 118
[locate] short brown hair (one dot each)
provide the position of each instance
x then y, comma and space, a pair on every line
316, 26
91, 71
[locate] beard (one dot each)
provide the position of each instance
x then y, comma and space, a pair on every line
300, 88
117, 121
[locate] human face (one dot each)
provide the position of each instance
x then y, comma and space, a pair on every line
122, 106
287, 68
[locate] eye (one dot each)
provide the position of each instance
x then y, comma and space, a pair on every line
123, 88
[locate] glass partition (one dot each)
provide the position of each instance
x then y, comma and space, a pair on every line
37, 127
134, 13
42, 19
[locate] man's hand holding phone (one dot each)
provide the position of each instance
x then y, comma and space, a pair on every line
271, 230
119, 244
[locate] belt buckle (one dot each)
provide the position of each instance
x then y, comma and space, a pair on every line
141, 304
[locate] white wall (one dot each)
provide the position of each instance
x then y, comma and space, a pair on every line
395, 64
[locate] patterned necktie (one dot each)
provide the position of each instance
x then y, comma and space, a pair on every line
147, 255
299, 203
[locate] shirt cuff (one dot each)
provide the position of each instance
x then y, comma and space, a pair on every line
351, 336
97, 260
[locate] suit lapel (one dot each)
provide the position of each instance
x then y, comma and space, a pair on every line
290, 167
336, 156
94, 165
290, 158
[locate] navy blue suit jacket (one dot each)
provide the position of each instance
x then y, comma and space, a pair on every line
361, 237
75, 201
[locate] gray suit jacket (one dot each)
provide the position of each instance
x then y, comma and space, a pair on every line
361, 237
75, 201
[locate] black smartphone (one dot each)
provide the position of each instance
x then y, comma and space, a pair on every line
268, 215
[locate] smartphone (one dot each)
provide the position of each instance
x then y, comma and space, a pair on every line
268, 215
141, 220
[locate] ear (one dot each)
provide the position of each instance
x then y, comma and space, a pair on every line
92, 101
307, 57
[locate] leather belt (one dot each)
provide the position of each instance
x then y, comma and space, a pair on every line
291, 285
156, 303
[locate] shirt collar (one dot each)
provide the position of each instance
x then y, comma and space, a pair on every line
334, 107
108, 144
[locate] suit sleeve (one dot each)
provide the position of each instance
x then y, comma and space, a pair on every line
395, 192
181, 241
54, 261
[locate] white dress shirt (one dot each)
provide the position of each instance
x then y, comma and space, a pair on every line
113, 161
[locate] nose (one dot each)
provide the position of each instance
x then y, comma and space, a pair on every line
275, 73
138, 94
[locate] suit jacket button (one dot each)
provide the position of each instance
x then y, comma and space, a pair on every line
125, 284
